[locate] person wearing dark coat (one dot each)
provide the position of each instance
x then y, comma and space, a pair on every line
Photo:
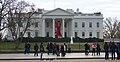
113, 49
28, 46
36, 50
41, 50
62, 51
57, 50
106, 49
86, 48
51, 48
25, 52
54, 48
118, 51
98, 49
48, 48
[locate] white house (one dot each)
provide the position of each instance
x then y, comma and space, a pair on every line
66, 23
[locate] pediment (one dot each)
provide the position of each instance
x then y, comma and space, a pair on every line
58, 12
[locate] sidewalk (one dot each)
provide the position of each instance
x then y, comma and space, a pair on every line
18, 56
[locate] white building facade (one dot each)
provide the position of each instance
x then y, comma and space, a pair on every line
66, 23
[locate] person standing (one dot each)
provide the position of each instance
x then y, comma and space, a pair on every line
106, 49
118, 51
94, 46
57, 50
62, 51
25, 52
28, 46
86, 48
65, 48
41, 50
54, 48
98, 49
113, 49
36, 50
51, 48
48, 48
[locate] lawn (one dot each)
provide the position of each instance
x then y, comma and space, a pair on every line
11, 45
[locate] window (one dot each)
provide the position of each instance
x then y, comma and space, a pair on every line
36, 24
28, 34
98, 34
47, 24
83, 34
65, 34
75, 24
90, 24
36, 34
47, 34
65, 25
83, 24
75, 34
98, 24
90, 34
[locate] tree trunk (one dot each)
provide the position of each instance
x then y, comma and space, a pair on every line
17, 44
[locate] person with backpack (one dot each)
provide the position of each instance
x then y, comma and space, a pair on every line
35, 49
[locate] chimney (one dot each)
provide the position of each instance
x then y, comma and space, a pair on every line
77, 10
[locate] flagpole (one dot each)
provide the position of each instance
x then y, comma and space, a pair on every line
54, 4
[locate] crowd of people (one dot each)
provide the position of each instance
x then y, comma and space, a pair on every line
110, 49
52, 48
95, 48
56, 49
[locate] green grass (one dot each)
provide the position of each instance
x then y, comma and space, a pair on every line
11, 46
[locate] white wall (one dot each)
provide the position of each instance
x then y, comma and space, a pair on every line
86, 29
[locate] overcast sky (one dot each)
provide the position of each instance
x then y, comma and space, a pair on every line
109, 8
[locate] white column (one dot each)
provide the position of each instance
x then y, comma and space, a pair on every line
72, 30
43, 28
63, 22
53, 28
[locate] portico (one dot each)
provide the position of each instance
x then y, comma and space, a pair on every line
61, 23
50, 25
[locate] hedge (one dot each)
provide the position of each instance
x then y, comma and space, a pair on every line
50, 39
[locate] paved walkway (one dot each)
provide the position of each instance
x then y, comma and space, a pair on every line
31, 56
69, 60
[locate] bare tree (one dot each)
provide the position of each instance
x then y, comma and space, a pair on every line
4, 11
19, 19
118, 30
110, 27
